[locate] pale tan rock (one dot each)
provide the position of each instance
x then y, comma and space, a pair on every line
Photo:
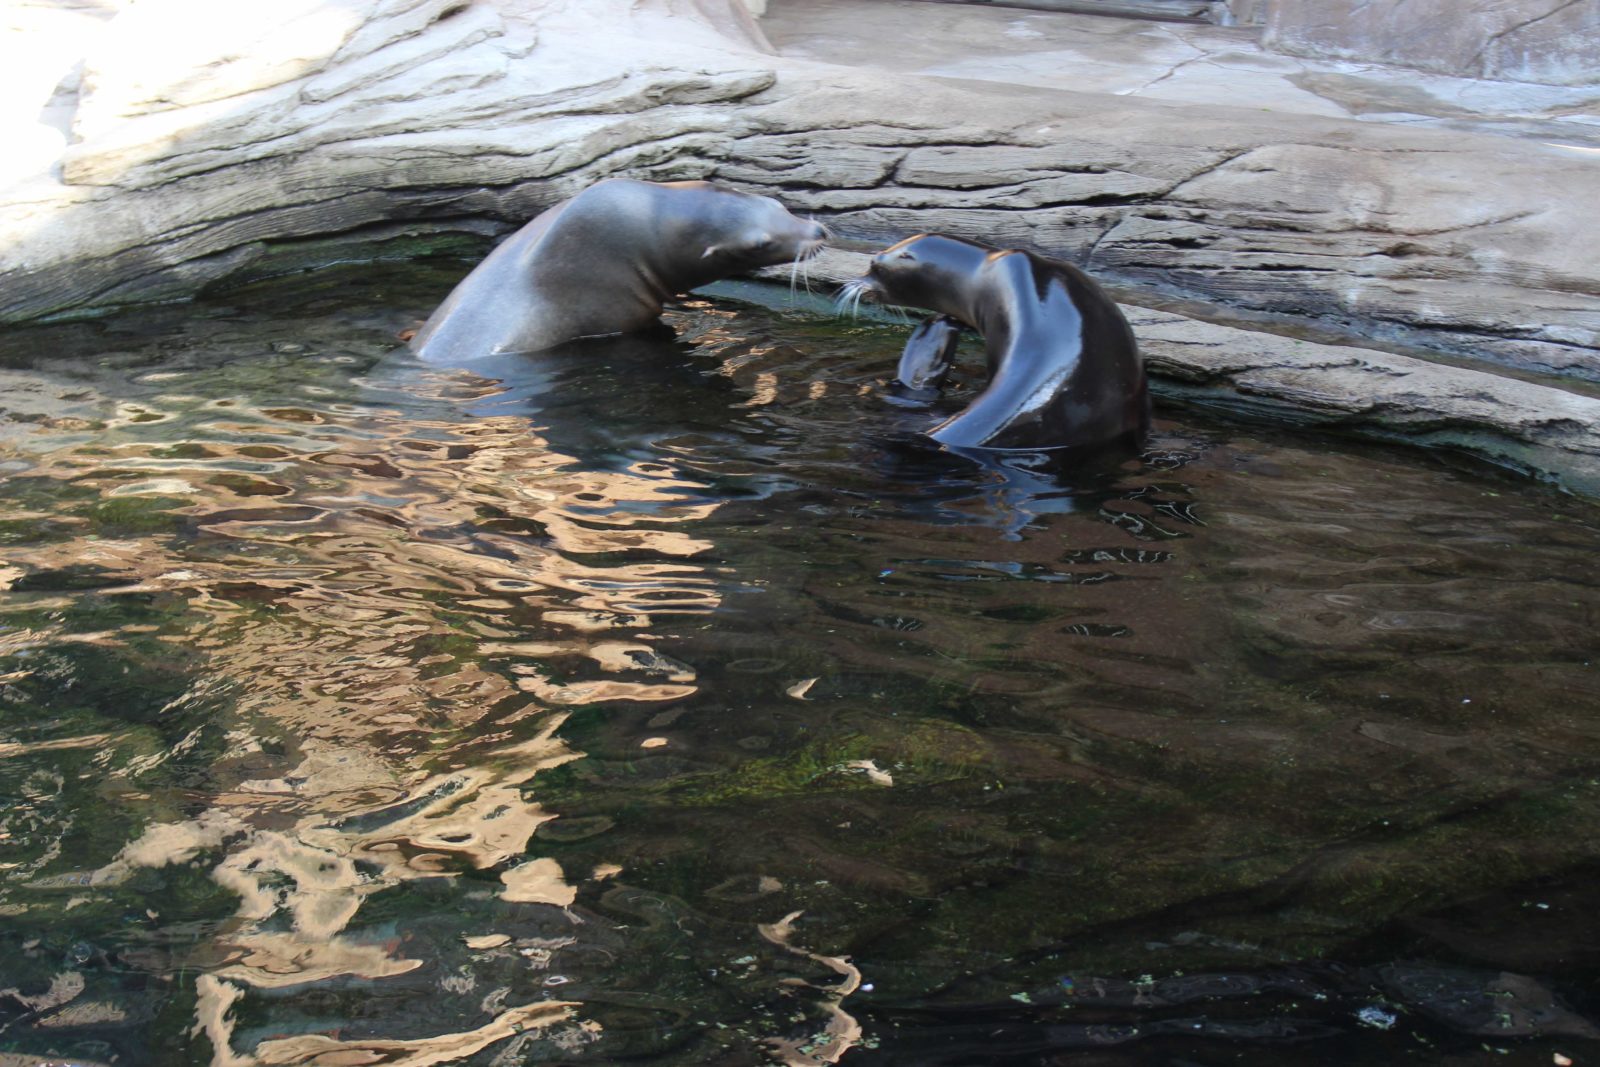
1552, 41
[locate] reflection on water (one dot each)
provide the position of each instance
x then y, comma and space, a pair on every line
660, 699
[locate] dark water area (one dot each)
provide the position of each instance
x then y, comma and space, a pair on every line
656, 702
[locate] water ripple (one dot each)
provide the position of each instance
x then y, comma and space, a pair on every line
666, 700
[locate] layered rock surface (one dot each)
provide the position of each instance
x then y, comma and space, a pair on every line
1552, 41
1432, 229
294, 135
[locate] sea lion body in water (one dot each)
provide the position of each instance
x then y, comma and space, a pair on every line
604, 262
1064, 368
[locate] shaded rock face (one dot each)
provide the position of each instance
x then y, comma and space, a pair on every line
1554, 42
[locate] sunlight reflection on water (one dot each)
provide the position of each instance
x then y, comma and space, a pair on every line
655, 699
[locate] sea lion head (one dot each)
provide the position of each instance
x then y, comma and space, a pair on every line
930, 271
729, 232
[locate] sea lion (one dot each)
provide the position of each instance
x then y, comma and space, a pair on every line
603, 263
1064, 368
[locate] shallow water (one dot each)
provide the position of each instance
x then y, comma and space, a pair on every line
661, 704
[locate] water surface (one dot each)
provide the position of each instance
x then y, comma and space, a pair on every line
657, 702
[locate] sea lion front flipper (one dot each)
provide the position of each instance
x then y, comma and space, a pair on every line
926, 359
929, 351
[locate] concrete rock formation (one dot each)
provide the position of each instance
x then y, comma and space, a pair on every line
289, 135
1556, 42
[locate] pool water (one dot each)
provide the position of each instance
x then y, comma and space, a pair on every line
663, 701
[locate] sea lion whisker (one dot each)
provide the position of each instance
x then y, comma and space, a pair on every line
841, 300
797, 268
851, 293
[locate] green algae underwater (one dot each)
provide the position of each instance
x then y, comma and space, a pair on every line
662, 701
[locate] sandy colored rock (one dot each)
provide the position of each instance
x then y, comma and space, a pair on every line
1550, 41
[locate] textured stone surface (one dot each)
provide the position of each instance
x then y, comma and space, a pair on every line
1459, 241
1189, 63
349, 116
1302, 219
1551, 41
1213, 10
353, 117
1224, 12
309, 132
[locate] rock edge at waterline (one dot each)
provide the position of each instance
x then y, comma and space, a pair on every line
1538, 429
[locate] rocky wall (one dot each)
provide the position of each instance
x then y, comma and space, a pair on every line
337, 129
1554, 42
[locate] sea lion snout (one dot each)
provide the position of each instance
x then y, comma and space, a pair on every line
788, 238
909, 274
878, 282
810, 238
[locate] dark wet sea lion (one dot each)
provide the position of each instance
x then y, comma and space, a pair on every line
603, 263
1064, 368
